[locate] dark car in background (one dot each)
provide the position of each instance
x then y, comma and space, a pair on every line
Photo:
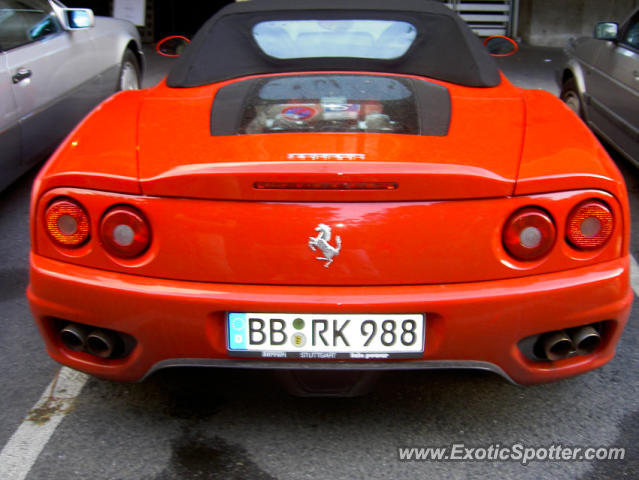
600, 82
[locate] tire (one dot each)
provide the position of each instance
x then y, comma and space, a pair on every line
129, 76
570, 96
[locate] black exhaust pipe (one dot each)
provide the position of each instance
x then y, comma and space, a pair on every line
557, 345
74, 337
100, 343
586, 339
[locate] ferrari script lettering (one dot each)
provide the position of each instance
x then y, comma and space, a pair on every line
326, 156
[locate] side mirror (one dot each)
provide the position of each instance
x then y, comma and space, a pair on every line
76, 18
606, 31
499, 46
172, 46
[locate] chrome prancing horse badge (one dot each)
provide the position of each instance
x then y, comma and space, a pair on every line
322, 242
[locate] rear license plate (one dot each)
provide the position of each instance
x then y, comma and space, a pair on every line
325, 336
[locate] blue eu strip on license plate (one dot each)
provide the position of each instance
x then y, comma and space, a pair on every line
317, 336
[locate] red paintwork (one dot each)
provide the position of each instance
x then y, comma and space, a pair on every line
433, 245
427, 167
389, 243
474, 321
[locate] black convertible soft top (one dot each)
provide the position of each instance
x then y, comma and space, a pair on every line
445, 48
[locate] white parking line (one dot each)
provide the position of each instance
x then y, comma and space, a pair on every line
634, 274
24, 446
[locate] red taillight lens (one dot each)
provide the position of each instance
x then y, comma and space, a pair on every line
67, 223
529, 234
125, 232
590, 225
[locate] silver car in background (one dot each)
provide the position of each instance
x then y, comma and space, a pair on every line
600, 82
56, 64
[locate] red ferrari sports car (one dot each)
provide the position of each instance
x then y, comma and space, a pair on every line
336, 185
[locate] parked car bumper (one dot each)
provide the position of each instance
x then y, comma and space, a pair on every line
471, 325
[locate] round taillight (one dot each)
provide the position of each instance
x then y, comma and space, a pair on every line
529, 234
67, 223
590, 225
125, 232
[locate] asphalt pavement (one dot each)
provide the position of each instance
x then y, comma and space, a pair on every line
221, 424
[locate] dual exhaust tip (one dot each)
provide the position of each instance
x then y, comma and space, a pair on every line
563, 344
95, 341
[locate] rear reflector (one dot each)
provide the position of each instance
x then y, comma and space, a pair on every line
125, 232
325, 185
529, 234
67, 223
590, 225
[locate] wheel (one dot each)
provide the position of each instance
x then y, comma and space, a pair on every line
129, 78
570, 95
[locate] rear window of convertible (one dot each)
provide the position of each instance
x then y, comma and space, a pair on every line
421, 38
373, 39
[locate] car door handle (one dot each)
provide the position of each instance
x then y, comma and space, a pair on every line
21, 74
636, 74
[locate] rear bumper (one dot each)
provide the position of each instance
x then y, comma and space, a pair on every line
471, 325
